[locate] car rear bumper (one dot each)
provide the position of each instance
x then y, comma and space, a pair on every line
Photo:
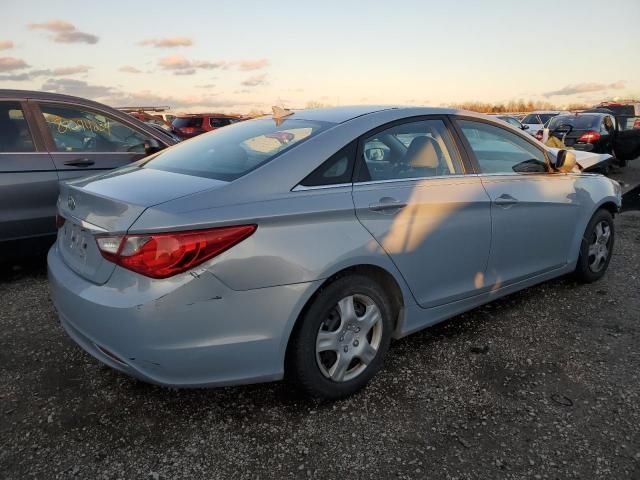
583, 147
186, 331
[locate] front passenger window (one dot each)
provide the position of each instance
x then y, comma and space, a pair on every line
77, 130
14, 131
501, 151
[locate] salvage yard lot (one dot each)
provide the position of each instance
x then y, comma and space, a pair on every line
542, 384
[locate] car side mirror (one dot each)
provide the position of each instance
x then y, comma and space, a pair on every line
525, 127
565, 161
151, 146
374, 154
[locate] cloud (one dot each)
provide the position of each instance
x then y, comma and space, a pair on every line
129, 69
586, 88
6, 44
168, 42
119, 98
12, 63
64, 32
181, 65
56, 26
55, 72
76, 87
62, 71
17, 77
255, 81
246, 65
208, 85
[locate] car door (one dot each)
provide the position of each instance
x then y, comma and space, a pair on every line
85, 141
626, 141
28, 178
412, 194
533, 211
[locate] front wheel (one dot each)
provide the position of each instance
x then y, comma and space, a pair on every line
342, 338
596, 248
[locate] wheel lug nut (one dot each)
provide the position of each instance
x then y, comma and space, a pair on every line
357, 329
356, 343
346, 348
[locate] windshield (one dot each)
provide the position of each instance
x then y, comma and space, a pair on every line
233, 151
578, 122
531, 119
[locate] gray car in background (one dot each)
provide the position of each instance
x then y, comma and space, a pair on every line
46, 138
300, 245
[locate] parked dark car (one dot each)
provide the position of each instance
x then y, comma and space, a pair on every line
196, 124
46, 138
597, 133
513, 121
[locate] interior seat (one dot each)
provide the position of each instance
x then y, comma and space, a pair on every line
422, 158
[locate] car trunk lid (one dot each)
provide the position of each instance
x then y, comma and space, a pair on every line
109, 205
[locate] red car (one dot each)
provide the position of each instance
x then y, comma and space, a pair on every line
195, 124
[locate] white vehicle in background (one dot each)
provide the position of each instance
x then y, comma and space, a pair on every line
537, 120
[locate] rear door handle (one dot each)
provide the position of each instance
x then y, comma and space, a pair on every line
385, 204
80, 162
505, 199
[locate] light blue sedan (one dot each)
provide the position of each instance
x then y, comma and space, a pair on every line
299, 245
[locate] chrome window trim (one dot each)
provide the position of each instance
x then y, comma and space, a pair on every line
302, 188
415, 179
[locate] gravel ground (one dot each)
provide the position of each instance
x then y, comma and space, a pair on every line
542, 384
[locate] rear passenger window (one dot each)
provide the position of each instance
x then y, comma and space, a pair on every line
336, 170
78, 130
410, 150
15, 136
501, 151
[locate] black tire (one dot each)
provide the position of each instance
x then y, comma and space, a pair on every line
303, 367
585, 271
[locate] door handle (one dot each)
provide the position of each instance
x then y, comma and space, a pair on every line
80, 162
385, 204
505, 199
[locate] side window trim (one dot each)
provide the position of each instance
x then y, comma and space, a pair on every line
467, 146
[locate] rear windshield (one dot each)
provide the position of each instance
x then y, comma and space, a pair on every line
187, 122
233, 151
530, 119
578, 122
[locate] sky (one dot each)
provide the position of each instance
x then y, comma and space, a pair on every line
243, 55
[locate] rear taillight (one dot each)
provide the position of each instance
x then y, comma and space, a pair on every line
161, 255
60, 221
188, 130
539, 135
589, 137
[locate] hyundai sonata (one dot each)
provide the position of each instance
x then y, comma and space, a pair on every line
299, 245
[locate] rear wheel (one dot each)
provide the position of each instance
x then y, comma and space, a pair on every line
342, 338
596, 247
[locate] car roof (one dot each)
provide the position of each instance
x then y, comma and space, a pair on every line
343, 114
36, 95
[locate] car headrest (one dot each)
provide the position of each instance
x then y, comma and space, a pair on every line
422, 153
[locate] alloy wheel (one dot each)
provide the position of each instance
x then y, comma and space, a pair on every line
349, 338
599, 247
